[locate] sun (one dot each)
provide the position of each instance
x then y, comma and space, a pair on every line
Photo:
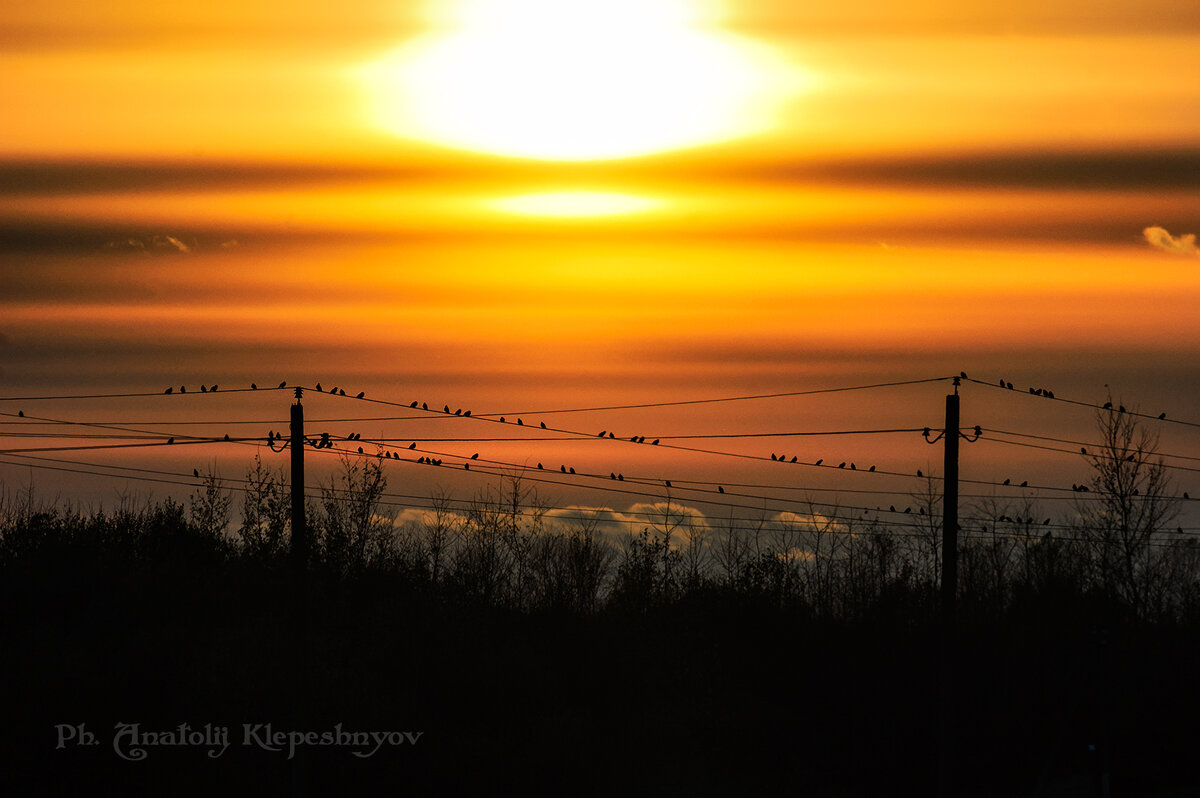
575, 80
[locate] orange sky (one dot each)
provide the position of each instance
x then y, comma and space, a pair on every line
873, 192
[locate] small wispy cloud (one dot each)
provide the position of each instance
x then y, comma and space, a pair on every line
1159, 238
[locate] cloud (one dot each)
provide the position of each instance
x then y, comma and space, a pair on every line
1159, 238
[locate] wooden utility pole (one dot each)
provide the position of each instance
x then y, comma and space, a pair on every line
949, 597
300, 541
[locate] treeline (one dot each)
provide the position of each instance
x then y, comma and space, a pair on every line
1116, 545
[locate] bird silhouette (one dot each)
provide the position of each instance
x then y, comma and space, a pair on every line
169, 390
872, 468
720, 489
501, 419
227, 437
466, 413
1121, 409
842, 464
1006, 482
908, 509
1083, 450
602, 433
612, 475
572, 470
445, 408
203, 389
254, 386
1161, 416
1025, 484
520, 423
543, 425
412, 445
1107, 406
283, 384
892, 508
20, 414
319, 388
641, 439
822, 460
341, 392
562, 468
170, 441
540, 467
195, 473
213, 389
360, 450
620, 477
475, 456
1185, 495
183, 389
1009, 386
667, 482
853, 467
654, 442
772, 457
413, 404
458, 412
467, 466
424, 405
794, 458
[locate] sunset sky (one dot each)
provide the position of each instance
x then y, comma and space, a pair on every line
522, 205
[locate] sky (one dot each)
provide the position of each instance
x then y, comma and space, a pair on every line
533, 205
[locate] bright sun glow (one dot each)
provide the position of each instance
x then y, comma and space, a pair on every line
574, 204
577, 80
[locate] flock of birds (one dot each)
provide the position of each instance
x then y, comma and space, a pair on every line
326, 441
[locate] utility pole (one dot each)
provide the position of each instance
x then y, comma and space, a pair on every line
300, 541
949, 597
301, 544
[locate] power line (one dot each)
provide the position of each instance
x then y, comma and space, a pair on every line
133, 395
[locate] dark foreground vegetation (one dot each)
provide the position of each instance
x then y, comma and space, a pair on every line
540, 655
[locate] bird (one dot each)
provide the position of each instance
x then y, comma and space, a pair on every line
562, 468
520, 423
794, 458
720, 489
341, 392
1186, 496
412, 445
892, 508
1083, 450
466, 413
540, 467
501, 419
962, 374
254, 386
424, 405
919, 473
1025, 484
414, 404
169, 390
772, 457
360, 450
1046, 522
195, 473
475, 456
227, 437
654, 442
466, 466
458, 412
271, 435
319, 388
445, 408
572, 470
620, 477
641, 439
853, 467
872, 468
1006, 481
822, 460
602, 433
1001, 383
283, 384
213, 389
667, 482
183, 389
170, 441
20, 414
1009, 386
908, 509
842, 464
203, 389
1121, 408
360, 394
1107, 406
543, 425
1161, 416
612, 475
